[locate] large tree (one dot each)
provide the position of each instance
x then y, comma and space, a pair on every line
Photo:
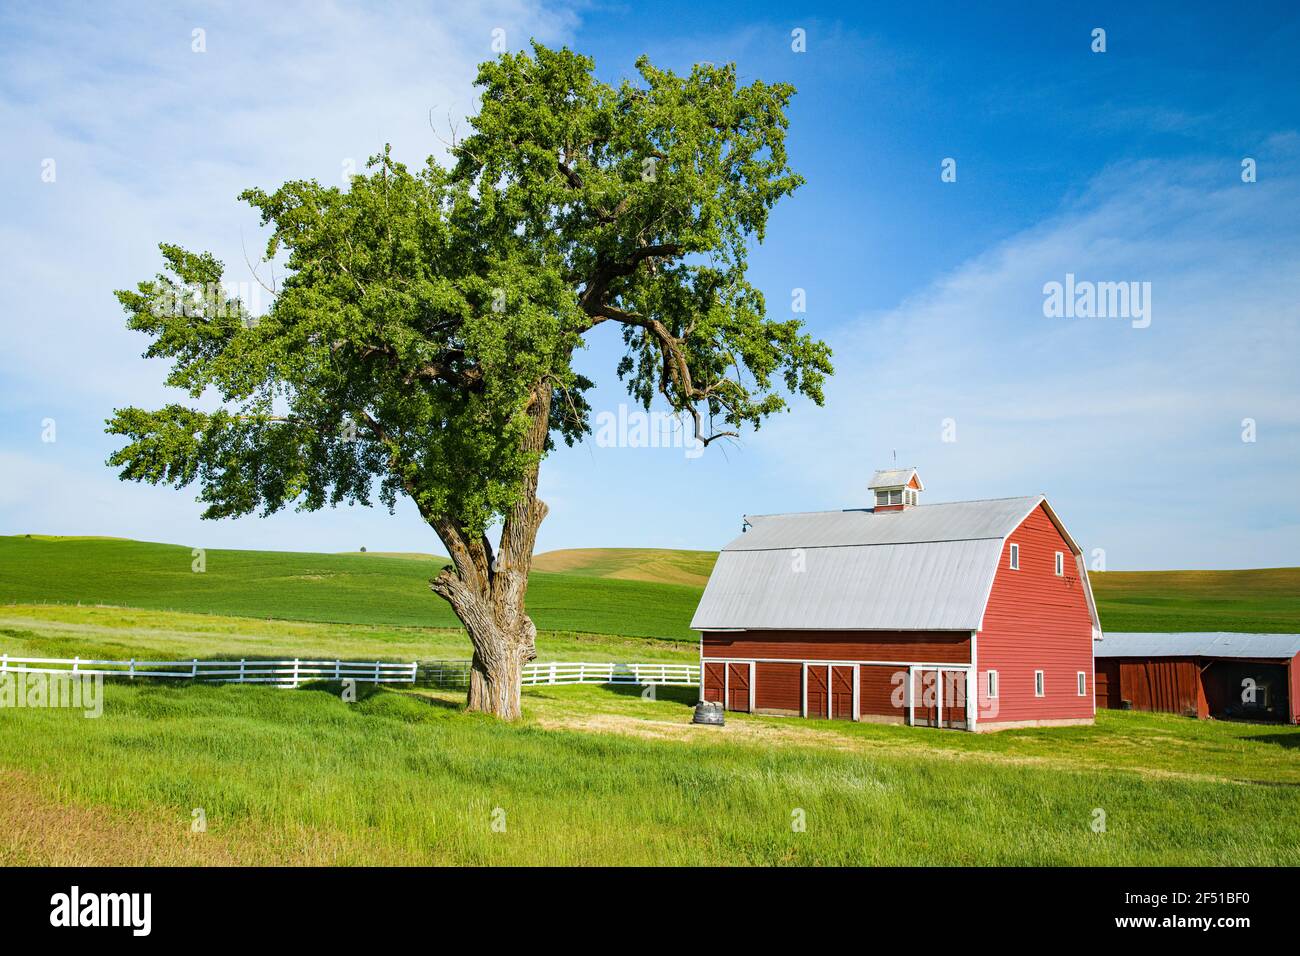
423, 340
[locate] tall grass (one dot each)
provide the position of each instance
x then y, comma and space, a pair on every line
407, 778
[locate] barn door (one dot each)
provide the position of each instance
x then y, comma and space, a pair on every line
938, 697
739, 679
816, 690
715, 682
842, 692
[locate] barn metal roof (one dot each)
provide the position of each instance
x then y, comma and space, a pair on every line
1197, 644
954, 521
930, 567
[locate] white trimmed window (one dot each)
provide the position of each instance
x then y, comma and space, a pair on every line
1014, 557
885, 498
1060, 564
991, 684
1083, 683
1040, 688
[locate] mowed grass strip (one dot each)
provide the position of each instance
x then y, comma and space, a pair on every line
633, 564
352, 589
409, 778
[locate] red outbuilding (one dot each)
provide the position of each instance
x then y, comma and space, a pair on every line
1225, 675
902, 612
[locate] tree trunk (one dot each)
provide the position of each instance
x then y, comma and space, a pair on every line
487, 592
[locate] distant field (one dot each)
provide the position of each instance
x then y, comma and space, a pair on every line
632, 564
1266, 600
342, 588
630, 592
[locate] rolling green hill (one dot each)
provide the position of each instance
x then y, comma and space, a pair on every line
341, 588
630, 592
1264, 600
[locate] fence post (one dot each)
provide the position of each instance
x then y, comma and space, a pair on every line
295, 672
194, 668
4, 663
76, 661
241, 670
133, 668
337, 665
376, 672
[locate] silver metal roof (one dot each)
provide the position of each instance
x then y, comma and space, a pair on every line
954, 521
892, 478
936, 586
1196, 644
926, 568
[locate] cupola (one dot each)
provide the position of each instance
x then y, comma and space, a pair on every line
896, 489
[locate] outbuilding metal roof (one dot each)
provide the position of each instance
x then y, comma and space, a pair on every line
1197, 644
929, 567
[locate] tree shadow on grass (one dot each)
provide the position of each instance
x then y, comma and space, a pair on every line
1290, 741
667, 692
365, 691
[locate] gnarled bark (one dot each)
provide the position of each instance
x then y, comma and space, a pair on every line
487, 591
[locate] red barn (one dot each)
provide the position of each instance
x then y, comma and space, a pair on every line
898, 613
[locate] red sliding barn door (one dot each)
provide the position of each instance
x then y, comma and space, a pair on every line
842, 692
817, 690
738, 687
714, 675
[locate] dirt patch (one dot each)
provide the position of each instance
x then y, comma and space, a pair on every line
40, 830
753, 733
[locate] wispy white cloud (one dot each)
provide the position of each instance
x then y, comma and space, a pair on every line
153, 142
1135, 433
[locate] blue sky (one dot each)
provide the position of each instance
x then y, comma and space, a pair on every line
1122, 166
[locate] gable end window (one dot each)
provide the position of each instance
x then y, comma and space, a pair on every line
1060, 564
1014, 557
1040, 688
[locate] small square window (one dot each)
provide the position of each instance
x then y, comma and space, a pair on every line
991, 678
1060, 564
1083, 683
1015, 557
1040, 688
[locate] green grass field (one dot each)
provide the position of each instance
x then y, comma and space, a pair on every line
591, 775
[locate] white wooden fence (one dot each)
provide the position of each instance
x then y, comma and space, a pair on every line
456, 673
556, 672
293, 673
281, 673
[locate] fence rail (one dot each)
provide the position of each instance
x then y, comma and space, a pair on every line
288, 673
293, 673
456, 673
